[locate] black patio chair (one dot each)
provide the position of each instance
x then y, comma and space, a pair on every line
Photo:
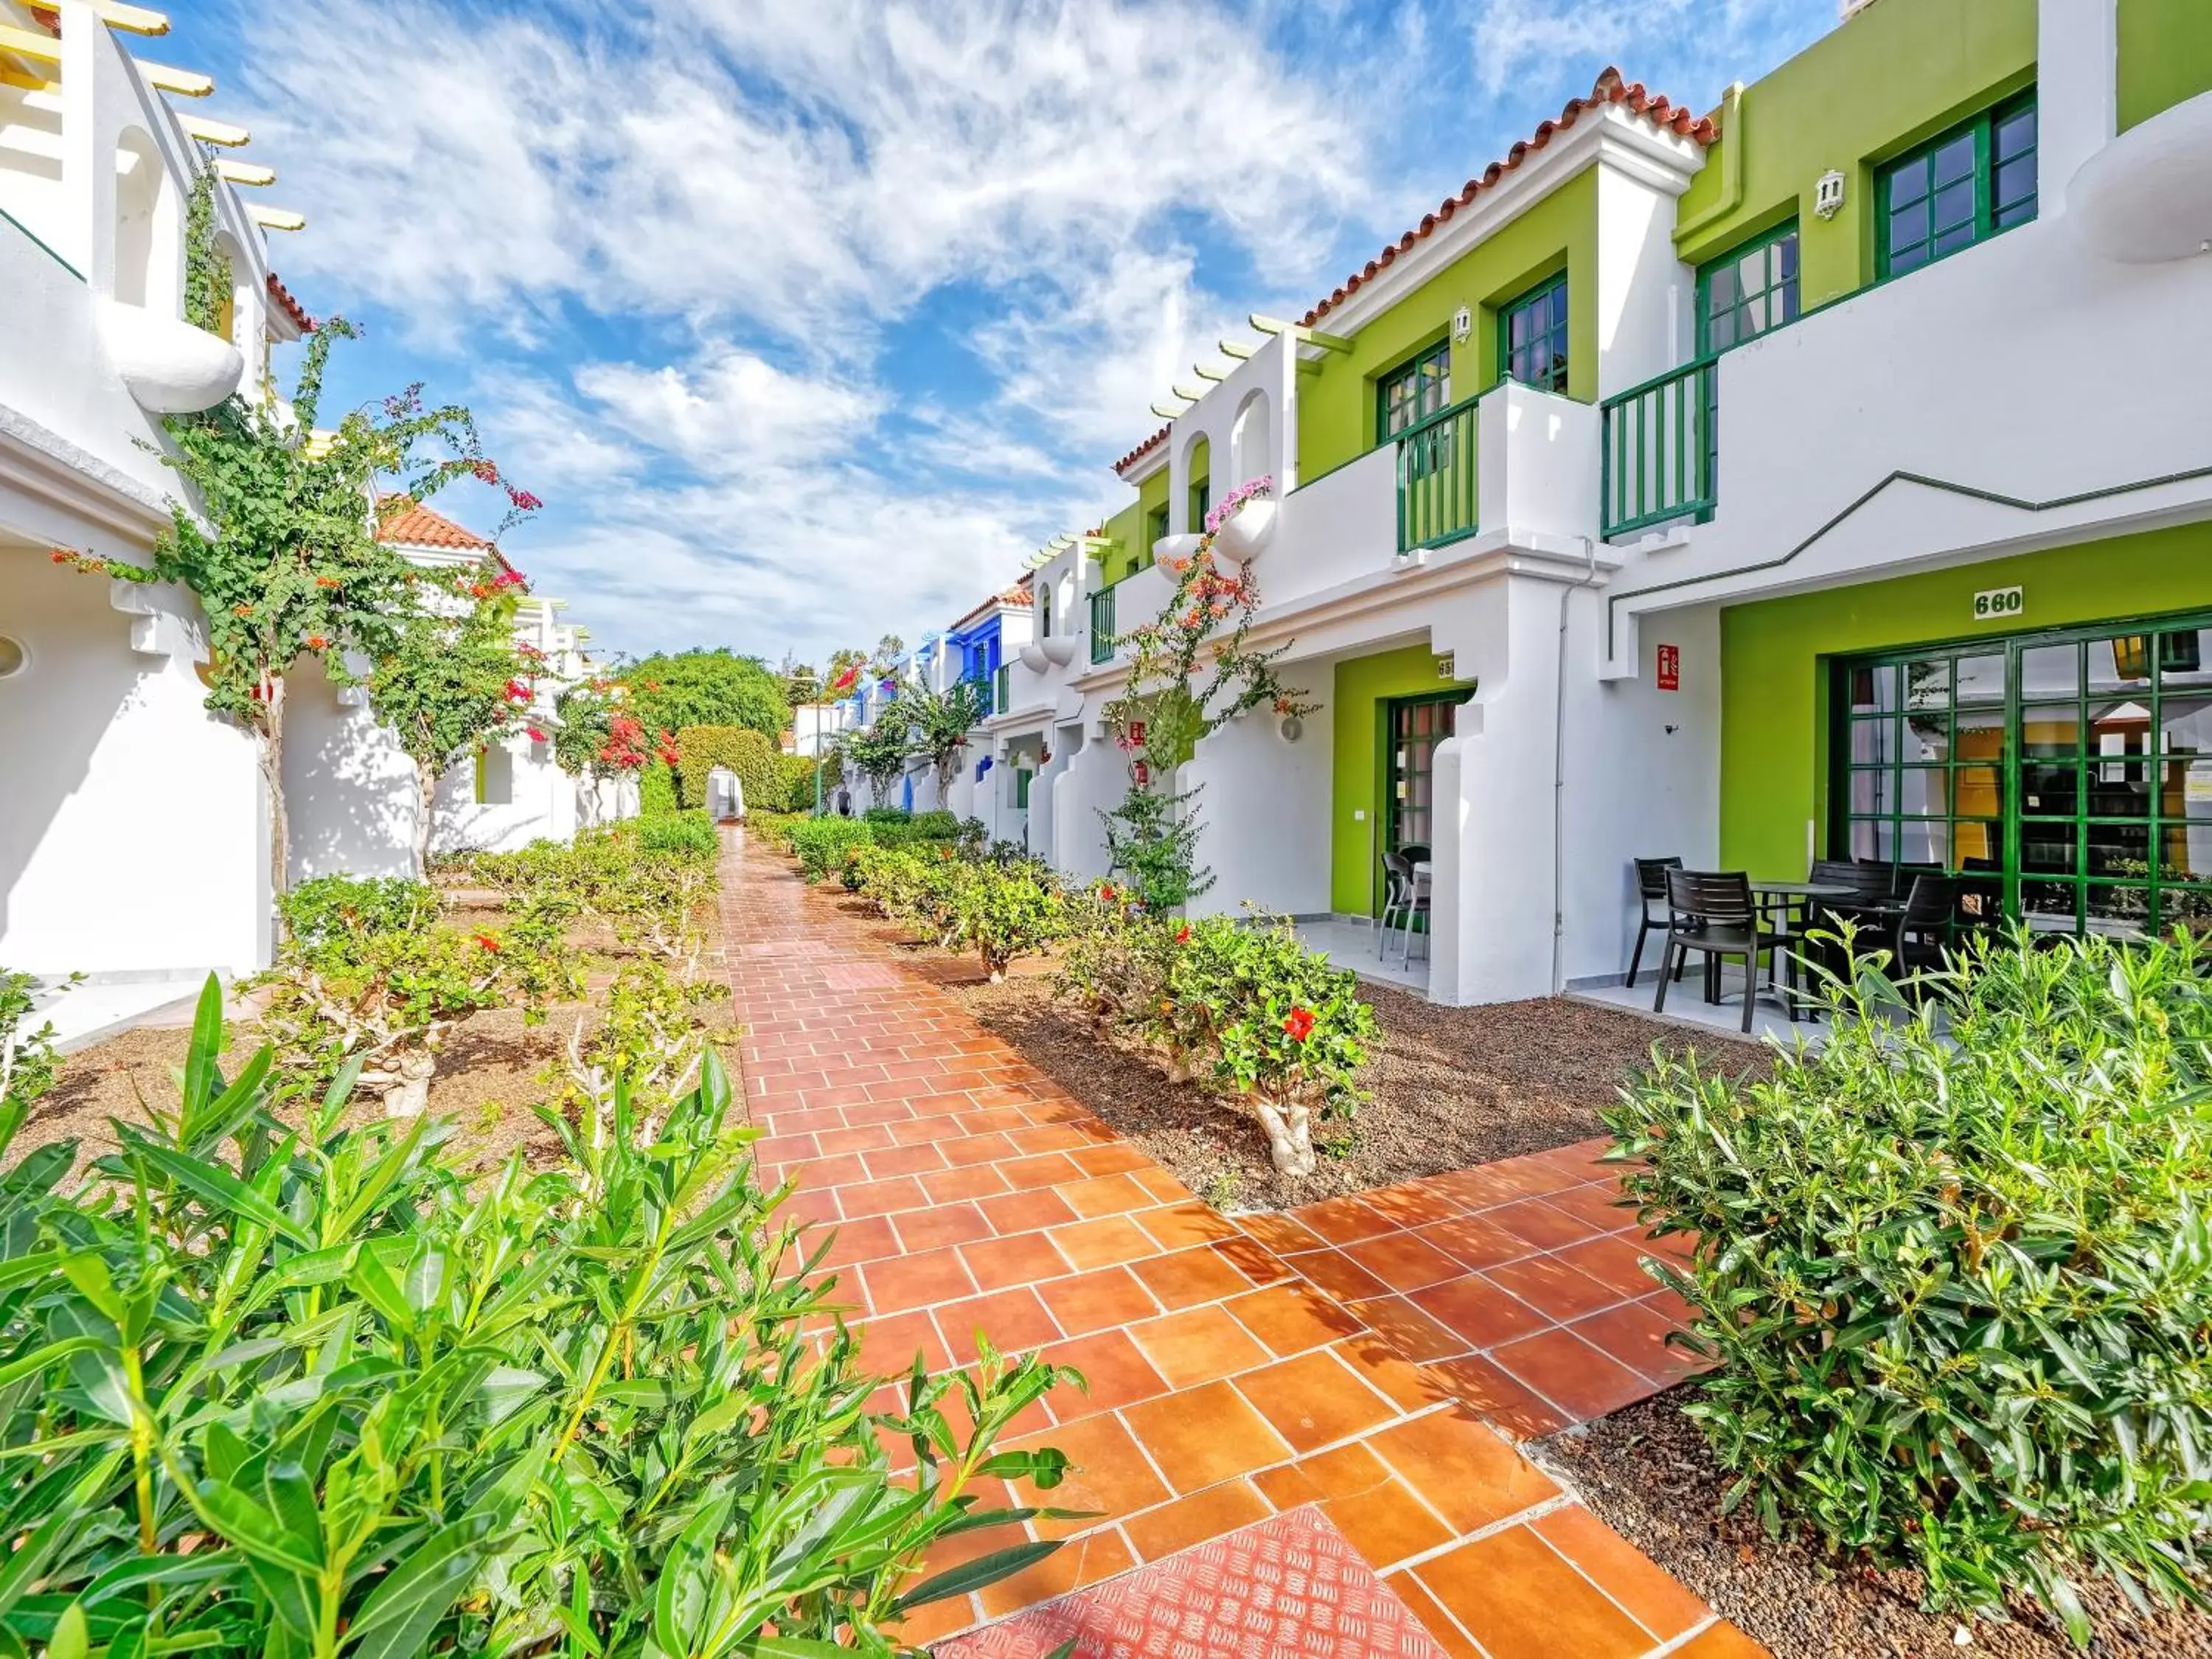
1713, 911
1651, 889
1404, 897
1921, 931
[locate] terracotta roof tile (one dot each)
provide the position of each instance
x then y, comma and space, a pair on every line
290, 307
1657, 109
1610, 89
413, 525
1019, 593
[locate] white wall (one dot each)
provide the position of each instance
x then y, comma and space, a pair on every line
1264, 808
132, 834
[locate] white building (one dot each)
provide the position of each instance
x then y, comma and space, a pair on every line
1649, 496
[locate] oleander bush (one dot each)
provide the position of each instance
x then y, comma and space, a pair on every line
277, 1384
29, 1059
1955, 1275
823, 846
689, 833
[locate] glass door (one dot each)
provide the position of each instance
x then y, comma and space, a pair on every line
2072, 770
1417, 725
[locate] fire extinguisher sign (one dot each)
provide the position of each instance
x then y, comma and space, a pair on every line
1670, 668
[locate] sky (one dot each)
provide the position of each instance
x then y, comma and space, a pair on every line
810, 320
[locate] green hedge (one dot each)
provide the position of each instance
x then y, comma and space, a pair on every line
690, 833
656, 790
822, 846
1956, 1274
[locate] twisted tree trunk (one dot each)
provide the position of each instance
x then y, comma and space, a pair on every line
425, 806
1289, 1134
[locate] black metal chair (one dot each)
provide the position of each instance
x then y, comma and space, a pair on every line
1714, 911
1651, 889
1922, 931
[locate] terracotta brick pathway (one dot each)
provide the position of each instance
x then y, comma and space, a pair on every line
970, 1194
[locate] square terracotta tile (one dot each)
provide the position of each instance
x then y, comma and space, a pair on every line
1340, 1472
1282, 1234
1111, 1296
999, 1263
1636, 1335
1410, 1388
1198, 1346
1259, 1264
1541, 1224
1654, 1600
1403, 1261
1599, 1204
1616, 1260
1189, 1277
1553, 1288
1580, 1379
1106, 1194
1413, 1333
1106, 1471
1314, 1399
1114, 1157
859, 1241
1473, 1241
1204, 1435
1025, 1212
1179, 1226
1521, 1599
1484, 1313
888, 1345
1291, 1318
1386, 1524
1014, 1320
1412, 1203
1105, 1243
1440, 1626
1194, 1519
1048, 1170
881, 1197
976, 1181
900, 1282
1499, 1398
940, 1225
1342, 1220
1339, 1274
1463, 1470
1115, 1371
1085, 1561
903, 1160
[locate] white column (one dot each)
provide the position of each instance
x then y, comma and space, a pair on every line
2077, 101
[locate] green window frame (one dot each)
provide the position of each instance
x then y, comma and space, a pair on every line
1531, 336
1412, 391
1412, 728
1202, 502
1749, 289
1156, 530
2067, 773
1961, 187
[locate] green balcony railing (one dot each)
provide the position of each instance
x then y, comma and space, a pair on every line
1102, 625
1002, 688
1660, 454
1437, 498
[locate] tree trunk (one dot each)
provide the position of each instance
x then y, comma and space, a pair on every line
1289, 1134
426, 803
272, 775
410, 1095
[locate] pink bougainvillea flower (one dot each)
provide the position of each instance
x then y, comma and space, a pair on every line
1299, 1023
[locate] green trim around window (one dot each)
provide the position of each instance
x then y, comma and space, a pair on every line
1962, 186
1531, 336
1412, 391
1156, 530
1749, 289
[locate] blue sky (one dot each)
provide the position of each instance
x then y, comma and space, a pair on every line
810, 318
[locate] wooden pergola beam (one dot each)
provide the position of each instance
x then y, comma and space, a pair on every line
1303, 335
245, 173
275, 218
213, 132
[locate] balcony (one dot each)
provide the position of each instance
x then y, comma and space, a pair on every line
1102, 625
1660, 449
1437, 501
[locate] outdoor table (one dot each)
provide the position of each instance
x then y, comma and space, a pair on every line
1787, 898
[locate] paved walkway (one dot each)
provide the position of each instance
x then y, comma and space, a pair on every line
971, 1195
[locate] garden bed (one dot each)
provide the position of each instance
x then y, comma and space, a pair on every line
1647, 1473
1452, 1087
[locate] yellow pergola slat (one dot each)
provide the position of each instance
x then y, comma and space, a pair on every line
275, 218
29, 43
44, 49
213, 132
131, 20
245, 173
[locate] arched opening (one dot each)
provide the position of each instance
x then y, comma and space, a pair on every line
1251, 445
225, 298
1198, 483
139, 184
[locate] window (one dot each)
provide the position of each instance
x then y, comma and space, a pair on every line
1417, 725
1531, 336
1748, 290
1413, 391
1156, 530
1202, 502
495, 777
1959, 188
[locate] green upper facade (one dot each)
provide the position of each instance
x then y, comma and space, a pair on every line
1924, 110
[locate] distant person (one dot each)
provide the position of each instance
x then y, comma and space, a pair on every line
844, 802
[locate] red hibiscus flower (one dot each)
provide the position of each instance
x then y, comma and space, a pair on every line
536, 736
1182, 935
485, 941
60, 556
1299, 1023
1106, 892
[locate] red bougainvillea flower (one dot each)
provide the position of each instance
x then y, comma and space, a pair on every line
1106, 891
517, 691
485, 941
318, 641
61, 555
1182, 935
536, 736
1299, 1023
241, 610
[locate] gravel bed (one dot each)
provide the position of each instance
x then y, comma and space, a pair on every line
1647, 1473
1452, 1087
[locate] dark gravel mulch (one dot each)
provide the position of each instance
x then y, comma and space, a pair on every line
1647, 1473
1452, 1087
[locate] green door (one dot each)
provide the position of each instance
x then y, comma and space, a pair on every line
2070, 771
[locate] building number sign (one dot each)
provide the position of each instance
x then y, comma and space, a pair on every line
1997, 602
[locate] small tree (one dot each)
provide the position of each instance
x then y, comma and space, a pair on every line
937, 724
669, 691
455, 680
278, 542
879, 754
598, 740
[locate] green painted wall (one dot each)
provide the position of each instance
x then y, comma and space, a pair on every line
2165, 56
1132, 550
1773, 683
1899, 72
1363, 686
1336, 407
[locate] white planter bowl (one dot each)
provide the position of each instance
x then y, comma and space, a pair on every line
171, 367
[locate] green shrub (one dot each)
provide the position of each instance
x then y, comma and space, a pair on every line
690, 834
886, 814
310, 1389
747, 753
823, 845
1957, 1277
330, 906
29, 1059
796, 775
1005, 913
656, 790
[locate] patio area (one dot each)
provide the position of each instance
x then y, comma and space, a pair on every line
1686, 1006
1351, 942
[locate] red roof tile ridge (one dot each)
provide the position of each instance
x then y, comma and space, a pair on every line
413, 525
290, 307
